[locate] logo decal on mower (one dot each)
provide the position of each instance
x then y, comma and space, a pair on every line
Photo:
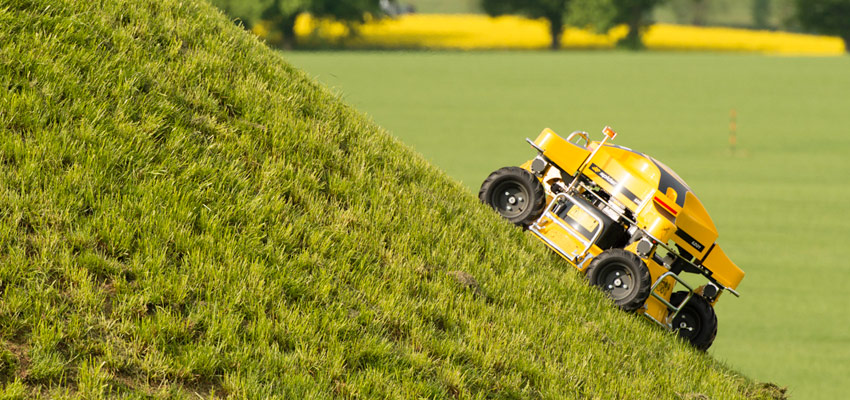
613, 182
602, 174
690, 240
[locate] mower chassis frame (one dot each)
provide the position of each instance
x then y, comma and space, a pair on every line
579, 259
588, 243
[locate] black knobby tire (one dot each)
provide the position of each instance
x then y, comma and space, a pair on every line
623, 276
515, 194
696, 322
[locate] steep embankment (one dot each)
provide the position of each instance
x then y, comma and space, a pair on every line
181, 213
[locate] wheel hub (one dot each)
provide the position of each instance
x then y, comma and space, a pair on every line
617, 282
688, 324
509, 200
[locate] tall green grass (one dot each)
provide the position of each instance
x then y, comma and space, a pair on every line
184, 214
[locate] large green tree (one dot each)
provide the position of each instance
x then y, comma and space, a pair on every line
693, 12
761, 13
830, 17
554, 11
636, 14
282, 14
603, 14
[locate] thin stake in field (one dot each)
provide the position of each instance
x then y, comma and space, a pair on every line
733, 130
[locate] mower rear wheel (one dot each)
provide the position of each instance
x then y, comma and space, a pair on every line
515, 194
696, 322
623, 276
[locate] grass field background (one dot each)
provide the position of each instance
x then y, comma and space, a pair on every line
779, 200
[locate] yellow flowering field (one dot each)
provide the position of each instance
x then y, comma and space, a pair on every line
678, 37
511, 32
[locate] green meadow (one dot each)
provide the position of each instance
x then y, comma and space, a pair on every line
779, 197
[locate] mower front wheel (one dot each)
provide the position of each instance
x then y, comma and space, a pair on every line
623, 276
515, 194
696, 322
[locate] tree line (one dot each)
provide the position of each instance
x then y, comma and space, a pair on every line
831, 17
282, 14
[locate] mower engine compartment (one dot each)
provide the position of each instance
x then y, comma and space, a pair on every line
625, 220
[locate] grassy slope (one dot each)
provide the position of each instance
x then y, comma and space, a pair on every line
182, 212
768, 200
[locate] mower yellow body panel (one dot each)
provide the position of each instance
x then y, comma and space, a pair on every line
567, 156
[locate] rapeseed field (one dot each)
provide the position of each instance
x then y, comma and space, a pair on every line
468, 32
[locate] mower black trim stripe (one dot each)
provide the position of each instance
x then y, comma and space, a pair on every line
690, 240
707, 253
613, 182
666, 181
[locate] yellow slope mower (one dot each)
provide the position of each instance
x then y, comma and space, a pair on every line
627, 221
